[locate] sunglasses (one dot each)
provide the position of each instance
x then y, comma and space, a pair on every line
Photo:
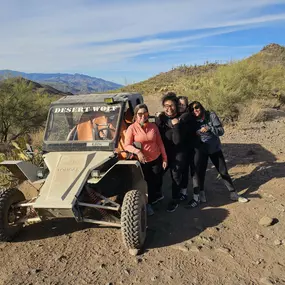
197, 107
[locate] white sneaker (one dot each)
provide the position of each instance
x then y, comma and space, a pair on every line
234, 196
203, 197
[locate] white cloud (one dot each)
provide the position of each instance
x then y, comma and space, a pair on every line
122, 19
50, 36
88, 56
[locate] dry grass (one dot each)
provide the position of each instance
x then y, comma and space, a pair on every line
222, 88
37, 138
260, 110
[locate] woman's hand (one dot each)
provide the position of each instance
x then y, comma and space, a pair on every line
141, 157
164, 165
204, 129
174, 121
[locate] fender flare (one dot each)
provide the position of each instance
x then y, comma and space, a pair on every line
23, 170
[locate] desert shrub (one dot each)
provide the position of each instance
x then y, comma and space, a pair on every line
22, 109
37, 138
14, 151
224, 88
237, 84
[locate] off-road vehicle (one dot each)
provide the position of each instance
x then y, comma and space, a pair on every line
86, 174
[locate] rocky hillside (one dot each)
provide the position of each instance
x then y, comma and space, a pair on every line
227, 88
168, 81
73, 83
270, 55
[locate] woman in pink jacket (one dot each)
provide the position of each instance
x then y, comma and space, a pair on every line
152, 155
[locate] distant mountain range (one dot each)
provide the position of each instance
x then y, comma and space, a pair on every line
67, 83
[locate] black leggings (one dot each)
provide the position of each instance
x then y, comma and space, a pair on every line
185, 175
217, 158
177, 166
153, 176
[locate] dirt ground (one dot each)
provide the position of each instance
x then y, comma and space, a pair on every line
218, 243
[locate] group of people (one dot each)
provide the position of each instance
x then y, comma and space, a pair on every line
183, 137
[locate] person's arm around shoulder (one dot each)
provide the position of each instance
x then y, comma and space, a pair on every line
159, 118
185, 118
159, 122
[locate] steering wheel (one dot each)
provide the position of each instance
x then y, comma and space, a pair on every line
102, 135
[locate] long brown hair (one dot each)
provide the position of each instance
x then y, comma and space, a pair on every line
196, 103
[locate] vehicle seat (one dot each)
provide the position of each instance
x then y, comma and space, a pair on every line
84, 128
128, 117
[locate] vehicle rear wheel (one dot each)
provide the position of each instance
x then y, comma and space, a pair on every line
133, 219
9, 214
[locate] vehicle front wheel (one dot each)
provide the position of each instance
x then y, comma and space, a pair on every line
9, 215
133, 219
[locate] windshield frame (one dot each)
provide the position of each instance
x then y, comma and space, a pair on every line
104, 145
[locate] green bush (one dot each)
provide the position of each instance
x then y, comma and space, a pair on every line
22, 109
224, 88
239, 83
227, 87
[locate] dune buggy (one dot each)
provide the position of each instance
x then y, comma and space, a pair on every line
86, 174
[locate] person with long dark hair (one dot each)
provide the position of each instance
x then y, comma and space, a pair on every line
210, 129
152, 155
173, 133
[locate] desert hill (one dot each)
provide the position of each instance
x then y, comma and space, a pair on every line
257, 81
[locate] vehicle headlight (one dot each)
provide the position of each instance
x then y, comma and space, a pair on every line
40, 173
95, 173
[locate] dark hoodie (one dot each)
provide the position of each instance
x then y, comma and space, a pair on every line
179, 138
190, 127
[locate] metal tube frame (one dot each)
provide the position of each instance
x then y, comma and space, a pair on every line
27, 203
102, 223
28, 220
99, 206
115, 207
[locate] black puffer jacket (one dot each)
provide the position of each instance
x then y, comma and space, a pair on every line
180, 138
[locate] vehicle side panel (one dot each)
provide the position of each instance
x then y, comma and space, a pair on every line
68, 174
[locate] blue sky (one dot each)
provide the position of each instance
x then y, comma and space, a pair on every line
127, 41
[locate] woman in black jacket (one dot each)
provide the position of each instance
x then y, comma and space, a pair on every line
191, 139
210, 129
173, 132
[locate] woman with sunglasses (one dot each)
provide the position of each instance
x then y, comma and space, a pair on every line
152, 155
173, 132
210, 129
